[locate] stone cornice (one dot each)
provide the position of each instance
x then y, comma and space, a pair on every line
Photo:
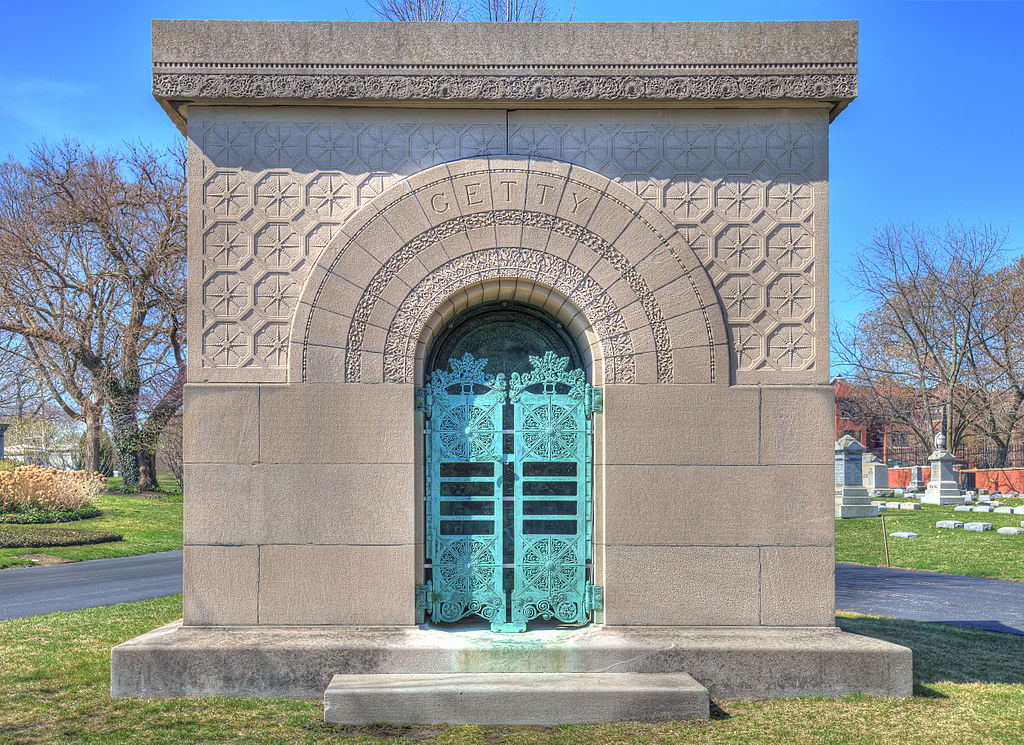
327, 63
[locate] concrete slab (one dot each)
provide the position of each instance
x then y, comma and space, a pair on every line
299, 662
513, 698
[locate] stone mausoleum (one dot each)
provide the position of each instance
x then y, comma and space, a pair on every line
508, 385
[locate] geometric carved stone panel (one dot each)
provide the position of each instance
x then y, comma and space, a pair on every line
273, 190
745, 191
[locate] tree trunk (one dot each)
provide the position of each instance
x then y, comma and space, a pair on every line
126, 440
149, 434
147, 469
93, 428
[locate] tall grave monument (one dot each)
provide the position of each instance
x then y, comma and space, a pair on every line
514, 329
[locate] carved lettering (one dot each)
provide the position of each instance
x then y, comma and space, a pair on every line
439, 203
576, 198
544, 192
508, 189
471, 193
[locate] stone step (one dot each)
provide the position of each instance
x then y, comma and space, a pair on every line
513, 698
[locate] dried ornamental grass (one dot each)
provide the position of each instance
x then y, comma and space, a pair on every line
47, 488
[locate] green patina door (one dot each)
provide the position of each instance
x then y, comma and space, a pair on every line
508, 474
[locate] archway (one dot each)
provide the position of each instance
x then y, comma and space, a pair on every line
508, 443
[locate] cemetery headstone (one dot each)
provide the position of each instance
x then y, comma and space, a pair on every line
949, 524
943, 487
1010, 531
977, 527
851, 498
917, 483
876, 477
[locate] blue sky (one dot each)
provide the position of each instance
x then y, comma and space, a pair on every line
935, 134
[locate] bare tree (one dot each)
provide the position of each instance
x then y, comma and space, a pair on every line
996, 364
22, 392
531, 11
932, 306
92, 256
419, 10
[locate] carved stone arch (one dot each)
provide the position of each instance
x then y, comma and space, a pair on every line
363, 307
601, 336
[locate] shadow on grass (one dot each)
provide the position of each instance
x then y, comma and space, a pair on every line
944, 653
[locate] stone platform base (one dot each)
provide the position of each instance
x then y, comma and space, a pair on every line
514, 698
846, 511
299, 662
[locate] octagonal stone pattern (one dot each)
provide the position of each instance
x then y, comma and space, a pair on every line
746, 190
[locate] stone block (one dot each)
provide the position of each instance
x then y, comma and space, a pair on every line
903, 534
797, 585
796, 424
708, 505
219, 508
1010, 531
1003, 510
910, 506
513, 698
290, 503
337, 423
680, 424
1018, 510
221, 585
328, 503
981, 508
221, 423
681, 586
343, 585
977, 527
963, 508
949, 524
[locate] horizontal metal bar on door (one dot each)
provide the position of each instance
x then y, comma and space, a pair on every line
429, 565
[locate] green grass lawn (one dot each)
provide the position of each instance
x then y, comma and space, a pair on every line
55, 685
148, 523
985, 554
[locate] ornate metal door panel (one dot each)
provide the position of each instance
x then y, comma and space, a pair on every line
552, 407
508, 492
464, 488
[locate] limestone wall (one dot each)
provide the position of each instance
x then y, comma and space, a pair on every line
700, 276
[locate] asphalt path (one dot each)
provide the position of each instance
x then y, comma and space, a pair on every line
29, 591
992, 604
